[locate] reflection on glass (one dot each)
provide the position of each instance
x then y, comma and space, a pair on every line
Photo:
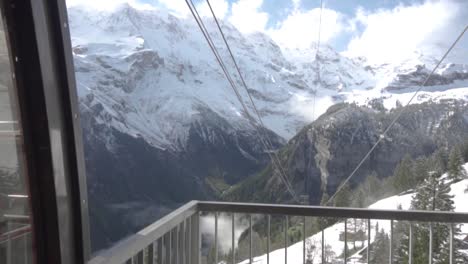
15, 229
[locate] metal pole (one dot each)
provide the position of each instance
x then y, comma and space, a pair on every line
451, 245
304, 241
170, 247
195, 241
150, 251
430, 243
182, 243
250, 239
368, 239
286, 240
189, 240
268, 238
139, 257
390, 260
323, 245
216, 238
345, 253
176, 245
160, 251
410, 254
233, 246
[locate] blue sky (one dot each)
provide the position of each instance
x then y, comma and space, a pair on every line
278, 11
380, 30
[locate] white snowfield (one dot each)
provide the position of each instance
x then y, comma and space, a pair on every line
332, 233
150, 74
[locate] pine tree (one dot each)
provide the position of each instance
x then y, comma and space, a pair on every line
455, 165
379, 250
421, 169
432, 195
343, 197
403, 176
464, 151
440, 160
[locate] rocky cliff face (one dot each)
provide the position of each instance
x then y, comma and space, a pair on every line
325, 152
134, 183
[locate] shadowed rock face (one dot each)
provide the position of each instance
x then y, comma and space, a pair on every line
131, 183
324, 153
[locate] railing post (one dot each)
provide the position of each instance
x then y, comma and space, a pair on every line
430, 243
345, 253
368, 239
323, 245
139, 257
195, 239
268, 237
176, 245
182, 242
250, 239
233, 245
390, 260
159, 251
150, 251
286, 224
189, 240
410, 254
167, 247
304, 241
216, 237
451, 245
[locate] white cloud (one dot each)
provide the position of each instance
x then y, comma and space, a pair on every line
394, 35
300, 28
247, 17
107, 5
296, 4
309, 107
178, 7
220, 8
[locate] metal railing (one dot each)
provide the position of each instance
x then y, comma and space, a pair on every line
176, 238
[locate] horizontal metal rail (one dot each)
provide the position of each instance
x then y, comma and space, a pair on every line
125, 250
176, 238
334, 212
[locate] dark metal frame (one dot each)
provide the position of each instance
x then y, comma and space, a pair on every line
334, 212
44, 78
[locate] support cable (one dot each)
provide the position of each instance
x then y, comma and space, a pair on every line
397, 117
262, 126
213, 48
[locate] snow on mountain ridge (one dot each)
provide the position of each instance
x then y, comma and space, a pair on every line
150, 71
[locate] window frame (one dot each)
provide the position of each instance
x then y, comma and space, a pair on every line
39, 42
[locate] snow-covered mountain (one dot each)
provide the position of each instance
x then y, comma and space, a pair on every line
152, 73
160, 118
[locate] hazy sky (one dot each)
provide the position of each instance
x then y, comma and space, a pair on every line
381, 30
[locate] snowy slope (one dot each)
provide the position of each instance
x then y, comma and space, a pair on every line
150, 74
332, 233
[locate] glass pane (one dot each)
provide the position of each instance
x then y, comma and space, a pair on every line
15, 228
